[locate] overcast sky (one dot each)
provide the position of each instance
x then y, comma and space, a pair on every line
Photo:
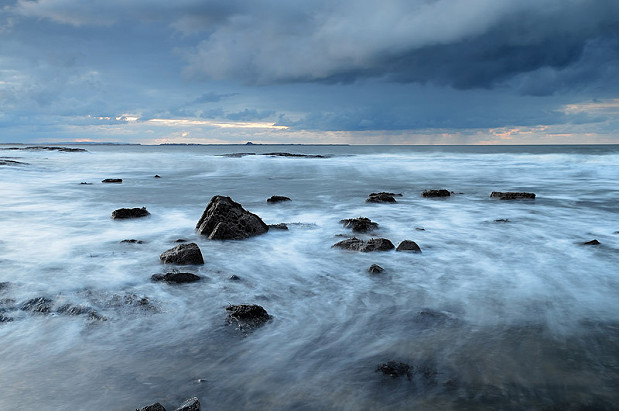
312, 71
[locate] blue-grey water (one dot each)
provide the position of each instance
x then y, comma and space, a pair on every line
492, 315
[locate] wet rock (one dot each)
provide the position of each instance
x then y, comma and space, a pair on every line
5, 319
234, 277
153, 407
420, 229
192, 404
248, 316
69, 309
373, 244
430, 317
380, 198
112, 180
132, 241
277, 199
224, 219
436, 193
502, 220
4, 284
157, 176
83, 183
183, 254
386, 193
280, 226
408, 245
293, 155
592, 242
510, 195
176, 277
122, 213
38, 305
359, 225
375, 269
395, 369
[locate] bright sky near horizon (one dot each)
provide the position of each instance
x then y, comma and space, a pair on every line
317, 71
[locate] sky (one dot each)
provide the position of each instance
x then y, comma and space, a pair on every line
311, 71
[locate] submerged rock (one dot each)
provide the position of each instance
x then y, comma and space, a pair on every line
293, 155
277, 199
373, 244
122, 213
510, 195
436, 193
280, 226
247, 315
224, 219
183, 254
38, 305
153, 407
192, 404
5, 319
592, 242
112, 180
381, 198
176, 277
360, 225
83, 183
375, 269
395, 369
408, 245
132, 241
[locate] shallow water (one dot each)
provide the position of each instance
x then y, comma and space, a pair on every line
492, 315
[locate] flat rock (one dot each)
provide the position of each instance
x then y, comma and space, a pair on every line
224, 219
137, 212
375, 269
183, 254
373, 244
192, 404
380, 198
153, 407
592, 242
395, 369
277, 199
359, 225
436, 193
408, 245
247, 315
511, 195
112, 180
176, 277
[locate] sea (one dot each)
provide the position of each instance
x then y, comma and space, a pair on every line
505, 308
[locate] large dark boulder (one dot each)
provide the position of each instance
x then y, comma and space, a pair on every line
192, 404
373, 244
408, 245
510, 195
248, 315
359, 225
176, 277
436, 193
381, 198
129, 213
277, 199
183, 254
224, 219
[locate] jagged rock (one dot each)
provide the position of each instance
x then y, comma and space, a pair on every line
224, 219
122, 213
247, 315
380, 198
509, 195
183, 254
375, 269
436, 193
373, 244
180, 240
153, 407
360, 225
62, 149
133, 241
277, 199
280, 226
408, 245
236, 155
112, 180
395, 369
192, 404
176, 277
592, 242
38, 305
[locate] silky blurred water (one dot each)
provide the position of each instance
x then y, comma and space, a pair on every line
492, 315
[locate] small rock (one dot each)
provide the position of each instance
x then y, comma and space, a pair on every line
176, 277
280, 226
234, 277
375, 269
112, 180
180, 240
293, 155
592, 242
153, 407
132, 241
360, 225
380, 198
373, 244
83, 183
248, 315
420, 229
395, 369
408, 245
277, 199
122, 213
385, 193
157, 176
224, 219
183, 254
38, 305
510, 195
436, 193
502, 220
192, 404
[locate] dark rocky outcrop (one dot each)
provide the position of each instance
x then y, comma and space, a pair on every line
420, 229
510, 195
359, 225
248, 316
293, 155
47, 148
280, 226
395, 369
277, 199
176, 277
436, 193
153, 407
380, 198
408, 245
112, 180
192, 404
224, 219
122, 213
132, 241
592, 242
5, 162
373, 244
183, 254
375, 269
386, 193
180, 240
38, 305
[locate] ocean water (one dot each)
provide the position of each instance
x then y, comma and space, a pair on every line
514, 314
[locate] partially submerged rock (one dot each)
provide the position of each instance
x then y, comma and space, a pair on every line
511, 195
41, 305
157, 176
277, 199
5, 319
224, 219
373, 244
247, 315
395, 369
192, 404
123, 213
592, 242
5, 162
436, 193
293, 155
380, 198
183, 254
74, 310
176, 277
112, 180
359, 225
408, 245
153, 407
280, 226
132, 241
375, 269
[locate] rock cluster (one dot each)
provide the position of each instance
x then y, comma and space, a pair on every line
381, 198
224, 219
192, 404
395, 369
248, 316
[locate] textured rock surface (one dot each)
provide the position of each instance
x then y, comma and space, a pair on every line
224, 219
183, 254
373, 244
375, 269
359, 225
380, 198
247, 315
395, 369
192, 404
436, 193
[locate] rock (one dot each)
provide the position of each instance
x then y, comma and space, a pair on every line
592, 242
112, 180
153, 407
408, 245
436, 193
373, 244
224, 219
183, 254
180, 240
360, 225
248, 315
122, 213
375, 269
132, 241
236, 155
380, 198
62, 149
38, 305
192, 404
502, 220
395, 369
157, 176
5, 162
385, 193
277, 199
510, 195
234, 277
83, 183
69, 309
176, 277
280, 226
420, 229
293, 155
5, 319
